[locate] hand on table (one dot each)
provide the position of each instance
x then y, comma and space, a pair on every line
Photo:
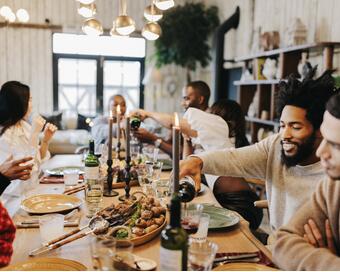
14, 169
314, 237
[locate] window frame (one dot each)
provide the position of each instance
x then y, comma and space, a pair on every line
100, 76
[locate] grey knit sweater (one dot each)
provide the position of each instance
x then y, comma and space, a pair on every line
287, 188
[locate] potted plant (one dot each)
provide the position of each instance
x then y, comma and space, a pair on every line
184, 39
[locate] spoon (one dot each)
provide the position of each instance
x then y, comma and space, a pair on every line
96, 225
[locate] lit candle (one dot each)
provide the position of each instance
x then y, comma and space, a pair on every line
127, 130
109, 156
175, 152
118, 125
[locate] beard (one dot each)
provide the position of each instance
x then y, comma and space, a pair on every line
304, 150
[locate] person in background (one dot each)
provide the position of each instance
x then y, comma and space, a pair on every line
286, 160
14, 169
7, 235
99, 130
196, 94
17, 137
311, 239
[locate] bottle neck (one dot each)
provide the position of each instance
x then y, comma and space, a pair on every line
91, 147
175, 211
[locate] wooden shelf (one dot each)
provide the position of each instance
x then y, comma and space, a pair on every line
256, 82
261, 121
278, 51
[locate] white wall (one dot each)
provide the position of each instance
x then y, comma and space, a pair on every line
25, 54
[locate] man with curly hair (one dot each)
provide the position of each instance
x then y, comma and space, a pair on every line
286, 160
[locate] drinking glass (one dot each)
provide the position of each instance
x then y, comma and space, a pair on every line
71, 177
103, 251
201, 255
203, 227
162, 189
190, 218
144, 179
94, 195
124, 251
51, 226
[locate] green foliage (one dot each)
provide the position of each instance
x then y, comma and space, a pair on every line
337, 81
185, 32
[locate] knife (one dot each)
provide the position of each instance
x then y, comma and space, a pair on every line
236, 257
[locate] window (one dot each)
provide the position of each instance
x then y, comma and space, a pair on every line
87, 71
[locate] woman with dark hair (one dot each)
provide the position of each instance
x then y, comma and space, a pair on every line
231, 192
17, 136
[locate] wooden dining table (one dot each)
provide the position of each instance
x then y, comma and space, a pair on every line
234, 239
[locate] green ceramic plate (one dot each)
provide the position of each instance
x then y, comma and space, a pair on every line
219, 217
59, 170
167, 165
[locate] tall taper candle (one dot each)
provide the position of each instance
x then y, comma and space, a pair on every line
118, 125
175, 152
109, 156
127, 131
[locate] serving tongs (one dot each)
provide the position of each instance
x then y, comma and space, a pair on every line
96, 225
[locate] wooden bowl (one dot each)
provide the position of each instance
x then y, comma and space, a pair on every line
146, 237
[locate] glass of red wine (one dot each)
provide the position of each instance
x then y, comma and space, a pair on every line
190, 217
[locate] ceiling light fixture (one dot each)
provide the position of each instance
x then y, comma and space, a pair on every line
151, 31
164, 4
92, 27
87, 10
125, 25
23, 15
86, 2
152, 15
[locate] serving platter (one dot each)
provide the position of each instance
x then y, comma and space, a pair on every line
50, 203
59, 171
46, 264
220, 218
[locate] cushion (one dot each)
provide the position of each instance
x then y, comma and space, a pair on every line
82, 124
54, 119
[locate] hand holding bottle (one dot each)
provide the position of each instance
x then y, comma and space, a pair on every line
191, 167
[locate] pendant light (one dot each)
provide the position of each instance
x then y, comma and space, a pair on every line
87, 10
22, 15
125, 25
152, 13
164, 4
151, 31
92, 27
86, 2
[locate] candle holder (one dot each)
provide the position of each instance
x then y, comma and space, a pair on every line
108, 191
118, 150
127, 179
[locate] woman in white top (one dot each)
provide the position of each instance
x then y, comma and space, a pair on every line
17, 137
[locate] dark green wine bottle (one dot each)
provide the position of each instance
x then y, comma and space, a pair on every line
174, 241
91, 165
135, 122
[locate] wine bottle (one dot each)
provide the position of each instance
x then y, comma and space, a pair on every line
135, 122
187, 191
174, 241
94, 190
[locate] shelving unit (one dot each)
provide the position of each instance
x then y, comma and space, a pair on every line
288, 59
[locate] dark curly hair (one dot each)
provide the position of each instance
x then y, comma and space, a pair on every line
232, 113
333, 105
14, 99
309, 94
